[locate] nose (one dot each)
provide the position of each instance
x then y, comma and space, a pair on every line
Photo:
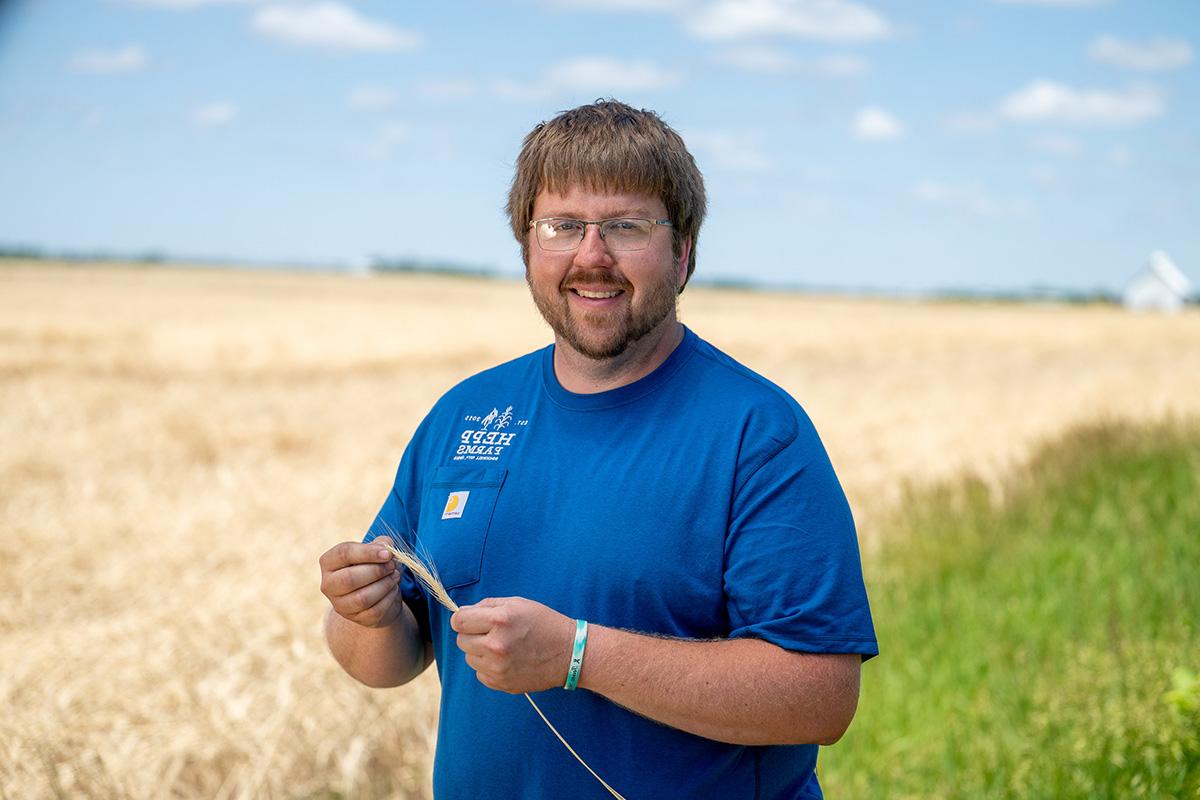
592, 251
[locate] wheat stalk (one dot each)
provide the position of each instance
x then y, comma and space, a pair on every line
420, 565
423, 569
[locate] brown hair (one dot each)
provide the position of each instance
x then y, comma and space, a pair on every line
609, 146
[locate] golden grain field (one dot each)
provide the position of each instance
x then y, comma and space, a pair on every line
180, 445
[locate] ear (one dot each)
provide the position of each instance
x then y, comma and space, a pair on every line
681, 264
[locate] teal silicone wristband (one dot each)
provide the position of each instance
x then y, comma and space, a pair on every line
576, 655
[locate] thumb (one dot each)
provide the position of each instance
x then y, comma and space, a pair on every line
383, 541
487, 602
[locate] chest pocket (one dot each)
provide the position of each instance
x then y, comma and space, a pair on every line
456, 513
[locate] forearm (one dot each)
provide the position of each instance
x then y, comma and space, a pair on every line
742, 691
378, 657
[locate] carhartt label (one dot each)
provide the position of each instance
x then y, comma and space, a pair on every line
455, 503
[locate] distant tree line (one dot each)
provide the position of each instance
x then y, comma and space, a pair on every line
1031, 294
409, 265
35, 253
377, 264
1044, 294
393, 265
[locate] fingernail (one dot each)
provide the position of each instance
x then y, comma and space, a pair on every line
384, 554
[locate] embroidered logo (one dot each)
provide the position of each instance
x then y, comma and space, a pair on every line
490, 437
456, 504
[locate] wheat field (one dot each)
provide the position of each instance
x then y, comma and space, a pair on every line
180, 445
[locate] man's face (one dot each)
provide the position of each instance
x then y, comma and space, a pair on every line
599, 301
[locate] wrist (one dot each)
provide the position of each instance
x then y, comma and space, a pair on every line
596, 675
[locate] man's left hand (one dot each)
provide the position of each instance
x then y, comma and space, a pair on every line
515, 644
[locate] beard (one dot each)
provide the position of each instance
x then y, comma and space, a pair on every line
605, 333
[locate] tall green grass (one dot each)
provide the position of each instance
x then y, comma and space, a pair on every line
1041, 646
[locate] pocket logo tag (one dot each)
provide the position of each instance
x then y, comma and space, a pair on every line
455, 504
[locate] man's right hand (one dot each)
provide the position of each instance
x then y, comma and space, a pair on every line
360, 581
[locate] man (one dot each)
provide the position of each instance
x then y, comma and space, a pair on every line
631, 477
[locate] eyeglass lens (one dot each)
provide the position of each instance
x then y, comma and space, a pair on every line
618, 234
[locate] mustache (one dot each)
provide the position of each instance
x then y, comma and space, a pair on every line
596, 279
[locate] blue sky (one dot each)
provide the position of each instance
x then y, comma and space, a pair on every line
986, 144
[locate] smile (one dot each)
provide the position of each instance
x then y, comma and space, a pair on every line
596, 295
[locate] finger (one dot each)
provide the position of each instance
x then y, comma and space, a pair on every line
347, 553
368, 597
491, 679
352, 578
478, 662
470, 643
382, 612
491, 602
472, 619
491, 683
381, 553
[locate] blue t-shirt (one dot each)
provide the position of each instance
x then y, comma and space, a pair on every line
696, 502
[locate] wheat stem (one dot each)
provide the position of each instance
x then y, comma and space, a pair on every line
570, 749
426, 576
424, 571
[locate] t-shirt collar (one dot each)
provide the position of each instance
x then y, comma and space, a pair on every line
622, 394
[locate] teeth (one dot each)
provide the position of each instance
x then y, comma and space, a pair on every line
595, 295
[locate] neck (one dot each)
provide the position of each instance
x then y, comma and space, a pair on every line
582, 375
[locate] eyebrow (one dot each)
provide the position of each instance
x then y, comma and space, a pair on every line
621, 213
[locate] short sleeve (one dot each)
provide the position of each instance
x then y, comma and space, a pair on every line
793, 573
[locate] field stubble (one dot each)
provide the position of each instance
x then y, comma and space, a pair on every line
181, 445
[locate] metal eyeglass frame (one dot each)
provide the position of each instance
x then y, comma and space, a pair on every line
599, 223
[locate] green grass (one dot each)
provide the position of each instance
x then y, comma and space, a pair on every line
1043, 646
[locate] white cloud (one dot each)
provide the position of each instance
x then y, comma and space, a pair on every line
131, 58
211, 115
596, 74
331, 26
371, 98
1058, 145
1045, 175
386, 140
773, 61
610, 74
843, 66
1063, 3
507, 89
970, 122
1156, 55
767, 60
620, 5
826, 20
875, 124
965, 198
448, 89
180, 4
1046, 101
729, 151
1120, 156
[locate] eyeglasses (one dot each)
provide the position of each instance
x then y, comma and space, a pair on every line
621, 233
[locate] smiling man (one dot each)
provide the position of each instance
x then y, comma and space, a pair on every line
637, 528
616, 324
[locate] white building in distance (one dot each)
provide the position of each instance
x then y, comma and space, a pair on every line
1158, 287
